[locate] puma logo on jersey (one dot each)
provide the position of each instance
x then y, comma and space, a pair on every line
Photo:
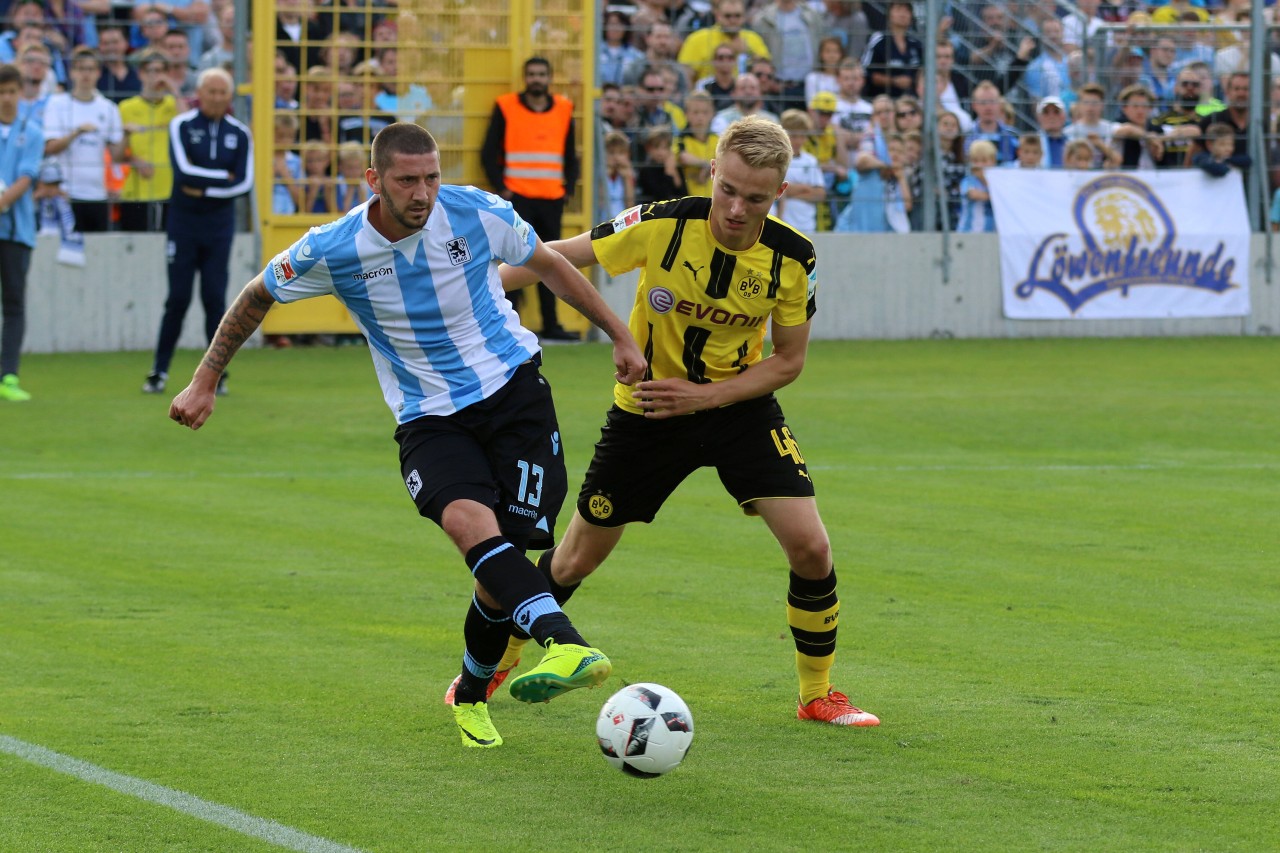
695, 272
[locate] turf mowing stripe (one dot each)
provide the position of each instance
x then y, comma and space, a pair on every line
267, 830
330, 474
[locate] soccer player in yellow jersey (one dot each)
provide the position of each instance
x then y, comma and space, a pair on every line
714, 273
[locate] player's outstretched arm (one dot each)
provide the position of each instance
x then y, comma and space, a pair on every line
665, 398
577, 250
564, 280
193, 406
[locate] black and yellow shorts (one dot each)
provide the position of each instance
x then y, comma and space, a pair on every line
638, 462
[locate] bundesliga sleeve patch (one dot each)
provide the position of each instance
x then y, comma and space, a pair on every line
282, 268
626, 219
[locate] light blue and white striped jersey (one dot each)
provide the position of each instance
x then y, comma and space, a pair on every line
441, 332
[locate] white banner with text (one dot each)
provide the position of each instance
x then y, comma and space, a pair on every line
1121, 245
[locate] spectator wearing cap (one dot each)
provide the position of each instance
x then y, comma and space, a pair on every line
1051, 116
1176, 12
1048, 74
792, 30
828, 148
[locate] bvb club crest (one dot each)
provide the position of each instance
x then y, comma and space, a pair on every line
751, 286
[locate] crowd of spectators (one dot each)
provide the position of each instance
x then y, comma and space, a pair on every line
1031, 85
1037, 81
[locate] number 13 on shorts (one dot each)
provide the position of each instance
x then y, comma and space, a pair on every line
531, 477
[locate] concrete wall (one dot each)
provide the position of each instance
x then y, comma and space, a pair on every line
895, 287
871, 287
116, 300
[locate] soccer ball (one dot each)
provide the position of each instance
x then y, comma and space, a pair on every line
645, 730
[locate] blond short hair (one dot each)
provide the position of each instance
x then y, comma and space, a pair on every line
796, 121
761, 143
983, 147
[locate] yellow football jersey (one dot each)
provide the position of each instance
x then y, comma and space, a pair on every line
706, 150
701, 310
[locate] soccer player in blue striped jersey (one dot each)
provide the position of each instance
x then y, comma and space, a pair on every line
417, 267
714, 273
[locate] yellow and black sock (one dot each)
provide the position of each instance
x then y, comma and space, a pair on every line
813, 612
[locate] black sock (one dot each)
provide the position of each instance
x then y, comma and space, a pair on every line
560, 593
524, 593
484, 634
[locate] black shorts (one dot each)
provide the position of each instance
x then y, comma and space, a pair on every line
639, 462
503, 452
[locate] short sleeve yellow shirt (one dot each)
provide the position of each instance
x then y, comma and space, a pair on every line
701, 310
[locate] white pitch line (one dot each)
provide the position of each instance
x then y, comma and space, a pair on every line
245, 824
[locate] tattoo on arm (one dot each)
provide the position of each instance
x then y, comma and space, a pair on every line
238, 324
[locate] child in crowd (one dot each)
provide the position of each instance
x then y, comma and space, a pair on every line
1030, 152
696, 145
1219, 155
317, 196
351, 188
913, 150
286, 193
1078, 155
951, 143
620, 178
806, 185
976, 213
658, 177
897, 190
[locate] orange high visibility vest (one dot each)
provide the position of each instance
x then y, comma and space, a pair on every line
534, 146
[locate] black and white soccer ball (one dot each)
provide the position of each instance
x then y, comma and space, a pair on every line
645, 730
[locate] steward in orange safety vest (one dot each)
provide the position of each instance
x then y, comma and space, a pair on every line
530, 160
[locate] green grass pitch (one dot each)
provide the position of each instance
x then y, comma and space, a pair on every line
1059, 567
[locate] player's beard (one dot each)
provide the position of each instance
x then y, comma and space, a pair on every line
402, 216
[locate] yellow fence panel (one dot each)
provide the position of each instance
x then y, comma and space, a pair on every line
438, 63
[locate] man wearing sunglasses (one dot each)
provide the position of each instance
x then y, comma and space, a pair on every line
699, 48
1180, 123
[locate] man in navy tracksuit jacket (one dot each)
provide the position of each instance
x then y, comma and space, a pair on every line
212, 156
